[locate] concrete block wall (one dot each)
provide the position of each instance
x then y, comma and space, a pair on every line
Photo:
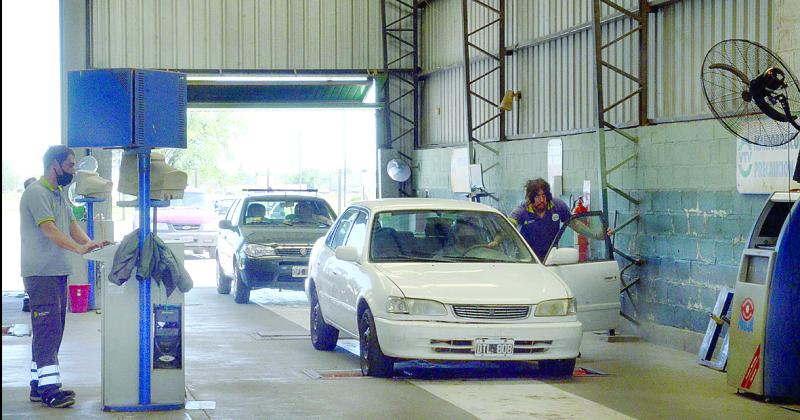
693, 221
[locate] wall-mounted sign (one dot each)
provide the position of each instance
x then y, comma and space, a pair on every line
764, 170
555, 155
459, 171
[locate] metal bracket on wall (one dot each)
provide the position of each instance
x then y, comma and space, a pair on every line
400, 21
616, 72
484, 24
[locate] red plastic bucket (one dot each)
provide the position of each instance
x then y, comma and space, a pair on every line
79, 297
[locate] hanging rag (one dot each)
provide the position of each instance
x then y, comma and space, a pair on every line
157, 262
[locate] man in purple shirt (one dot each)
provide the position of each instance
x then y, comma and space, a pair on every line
540, 216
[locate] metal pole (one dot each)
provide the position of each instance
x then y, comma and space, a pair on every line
90, 233
644, 10
598, 79
465, 34
414, 23
387, 83
144, 284
502, 64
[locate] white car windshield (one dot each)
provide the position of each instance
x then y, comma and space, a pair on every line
446, 236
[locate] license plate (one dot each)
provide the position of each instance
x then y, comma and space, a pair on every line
299, 271
494, 347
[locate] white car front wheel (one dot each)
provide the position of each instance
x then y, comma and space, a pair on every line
373, 361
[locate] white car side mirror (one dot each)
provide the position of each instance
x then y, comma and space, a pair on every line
562, 256
347, 253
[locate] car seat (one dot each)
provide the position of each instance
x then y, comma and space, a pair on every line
460, 229
384, 243
255, 213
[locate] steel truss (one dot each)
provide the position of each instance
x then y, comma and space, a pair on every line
400, 20
639, 21
491, 27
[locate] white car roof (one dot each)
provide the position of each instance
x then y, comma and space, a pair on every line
389, 204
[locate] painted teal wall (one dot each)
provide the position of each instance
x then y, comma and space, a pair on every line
693, 221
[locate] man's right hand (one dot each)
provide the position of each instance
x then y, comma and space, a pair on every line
88, 247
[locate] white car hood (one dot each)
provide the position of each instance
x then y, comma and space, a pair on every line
476, 283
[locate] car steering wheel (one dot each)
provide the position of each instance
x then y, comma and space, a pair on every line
474, 247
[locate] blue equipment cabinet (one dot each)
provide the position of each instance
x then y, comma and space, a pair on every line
782, 353
122, 108
764, 356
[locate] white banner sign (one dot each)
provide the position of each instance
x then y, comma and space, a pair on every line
459, 171
764, 170
555, 157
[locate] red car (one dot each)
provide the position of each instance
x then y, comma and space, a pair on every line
191, 221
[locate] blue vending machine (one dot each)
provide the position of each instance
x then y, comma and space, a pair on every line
765, 327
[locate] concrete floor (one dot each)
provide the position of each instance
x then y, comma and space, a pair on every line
250, 376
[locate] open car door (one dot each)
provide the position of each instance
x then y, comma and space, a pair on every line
589, 269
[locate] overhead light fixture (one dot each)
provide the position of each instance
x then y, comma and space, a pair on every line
255, 79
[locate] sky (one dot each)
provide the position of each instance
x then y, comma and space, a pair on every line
31, 94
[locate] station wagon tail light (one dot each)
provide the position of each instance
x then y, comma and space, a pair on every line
399, 305
557, 307
258, 250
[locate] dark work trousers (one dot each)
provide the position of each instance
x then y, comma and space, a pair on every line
48, 302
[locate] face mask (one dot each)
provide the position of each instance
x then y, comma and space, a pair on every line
64, 179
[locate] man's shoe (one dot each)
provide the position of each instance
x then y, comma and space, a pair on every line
59, 399
35, 397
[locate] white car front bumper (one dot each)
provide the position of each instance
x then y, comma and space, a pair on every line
455, 341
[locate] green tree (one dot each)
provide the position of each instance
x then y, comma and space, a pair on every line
11, 181
313, 178
208, 133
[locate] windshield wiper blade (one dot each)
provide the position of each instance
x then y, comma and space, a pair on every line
404, 257
478, 259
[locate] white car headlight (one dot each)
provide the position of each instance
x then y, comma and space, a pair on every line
162, 227
557, 307
210, 226
258, 250
399, 305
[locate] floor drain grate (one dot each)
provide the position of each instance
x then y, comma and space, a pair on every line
280, 336
333, 374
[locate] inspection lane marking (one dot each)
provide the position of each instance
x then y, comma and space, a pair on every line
503, 400
489, 399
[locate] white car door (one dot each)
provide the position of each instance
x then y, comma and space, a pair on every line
353, 275
331, 283
593, 276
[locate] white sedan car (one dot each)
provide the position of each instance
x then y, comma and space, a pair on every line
452, 280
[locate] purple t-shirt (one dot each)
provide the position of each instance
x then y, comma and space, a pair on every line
539, 232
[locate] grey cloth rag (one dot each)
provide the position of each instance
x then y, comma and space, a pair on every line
158, 262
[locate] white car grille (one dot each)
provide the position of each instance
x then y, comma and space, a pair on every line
467, 346
492, 311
